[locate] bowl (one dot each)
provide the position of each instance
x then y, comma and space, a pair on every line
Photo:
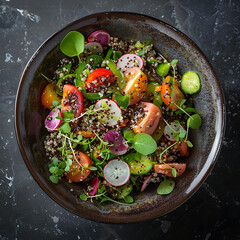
209, 102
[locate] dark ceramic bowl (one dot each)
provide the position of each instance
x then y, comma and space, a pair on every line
209, 103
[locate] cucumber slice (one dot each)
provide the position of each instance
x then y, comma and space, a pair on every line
124, 190
141, 166
191, 82
163, 69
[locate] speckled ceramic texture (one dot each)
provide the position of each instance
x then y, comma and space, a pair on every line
207, 140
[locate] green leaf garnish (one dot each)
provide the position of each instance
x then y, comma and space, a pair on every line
129, 135
128, 199
54, 179
166, 186
122, 101
174, 62
116, 55
149, 42
73, 44
144, 144
174, 172
138, 45
83, 197
65, 127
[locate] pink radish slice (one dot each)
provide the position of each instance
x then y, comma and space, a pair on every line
169, 131
111, 113
100, 36
119, 143
116, 172
94, 184
93, 48
51, 122
129, 60
146, 183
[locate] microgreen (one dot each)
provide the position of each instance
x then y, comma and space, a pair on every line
138, 45
174, 64
73, 44
188, 110
122, 101
149, 42
48, 79
95, 61
194, 121
78, 71
55, 103
166, 186
129, 135
109, 54
141, 52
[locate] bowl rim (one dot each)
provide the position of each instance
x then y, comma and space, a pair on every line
219, 140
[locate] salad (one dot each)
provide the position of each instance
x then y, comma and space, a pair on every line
119, 117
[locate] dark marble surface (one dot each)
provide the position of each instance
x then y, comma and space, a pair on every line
26, 212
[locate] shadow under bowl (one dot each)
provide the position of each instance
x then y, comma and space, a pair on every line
209, 102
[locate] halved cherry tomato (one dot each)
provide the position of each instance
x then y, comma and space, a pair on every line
149, 122
49, 95
87, 134
72, 99
96, 153
166, 169
76, 172
166, 93
99, 77
136, 84
182, 147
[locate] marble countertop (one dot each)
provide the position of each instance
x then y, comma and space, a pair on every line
26, 212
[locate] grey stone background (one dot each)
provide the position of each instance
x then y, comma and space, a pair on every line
26, 212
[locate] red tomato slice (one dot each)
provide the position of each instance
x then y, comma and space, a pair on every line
77, 173
183, 148
166, 93
149, 123
72, 99
99, 77
49, 95
166, 169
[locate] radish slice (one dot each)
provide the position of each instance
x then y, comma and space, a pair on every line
116, 172
93, 48
51, 122
169, 131
146, 183
111, 112
129, 60
100, 36
94, 184
119, 143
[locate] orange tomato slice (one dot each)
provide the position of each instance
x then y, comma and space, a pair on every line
166, 93
49, 95
135, 85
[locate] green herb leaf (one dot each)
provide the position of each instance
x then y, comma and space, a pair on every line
83, 197
166, 186
128, 199
116, 55
194, 121
144, 144
72, 44
174, 62
67, 168
109, 54
62, 165
53, 169
141, 52
138, 44
129, 135
189, 143
65, 127
95, 61
117, 72
122, 101
55, 103
54, 178
181, 102
174, 172
55, 161
68, 116
78, 72
149, 42
182, 133
93, 168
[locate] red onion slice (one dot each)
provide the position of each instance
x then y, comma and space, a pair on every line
100, 36
94, 184
51, 122
119, 143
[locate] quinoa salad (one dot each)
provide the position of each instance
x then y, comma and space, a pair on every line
119, 116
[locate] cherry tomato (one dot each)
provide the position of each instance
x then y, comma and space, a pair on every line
149, 122
72, 99
49, 95
166, 169
136, 84
87, 134
96, 153
166, 93
182, 147
78, 173
99, 77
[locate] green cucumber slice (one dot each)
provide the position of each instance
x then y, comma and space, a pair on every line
140, 166
190, 82
124, 190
